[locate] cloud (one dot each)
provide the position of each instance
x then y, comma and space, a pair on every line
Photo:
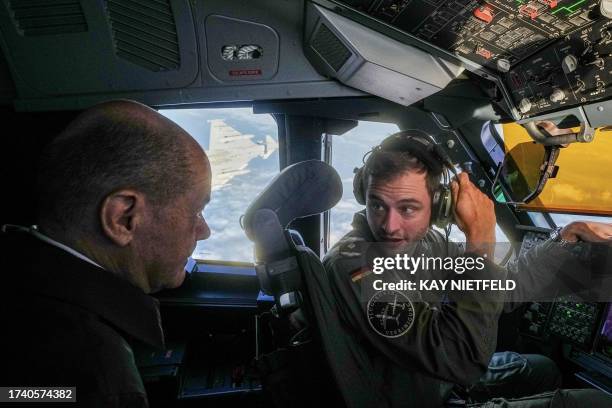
264, 122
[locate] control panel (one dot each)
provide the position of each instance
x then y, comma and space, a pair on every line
550, 54
571, 321
535, 319
574, 322
572, 71
532, 238
492, 33
566, 318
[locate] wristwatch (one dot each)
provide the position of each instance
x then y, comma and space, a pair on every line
579, 249
555, 236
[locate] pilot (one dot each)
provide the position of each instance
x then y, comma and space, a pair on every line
120, 196
412, 347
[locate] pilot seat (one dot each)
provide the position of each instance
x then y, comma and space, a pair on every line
291, 351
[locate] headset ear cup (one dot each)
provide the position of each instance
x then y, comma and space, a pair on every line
358, 186
435, 207
442, 210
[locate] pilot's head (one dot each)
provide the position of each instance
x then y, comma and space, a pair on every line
397, 188
126, 187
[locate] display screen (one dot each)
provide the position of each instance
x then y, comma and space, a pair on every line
606, 334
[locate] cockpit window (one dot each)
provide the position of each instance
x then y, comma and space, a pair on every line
564, 219
243, 151
348, 151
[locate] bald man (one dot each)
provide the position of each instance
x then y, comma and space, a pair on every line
120, 196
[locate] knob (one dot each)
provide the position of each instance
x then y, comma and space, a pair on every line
524, 105
605, 7
557, 95
503, 65
569, 64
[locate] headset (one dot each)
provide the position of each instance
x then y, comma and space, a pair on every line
421, 146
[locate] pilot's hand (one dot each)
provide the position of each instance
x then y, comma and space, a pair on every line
588, 231
474, 215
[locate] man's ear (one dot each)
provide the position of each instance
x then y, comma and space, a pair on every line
120, 213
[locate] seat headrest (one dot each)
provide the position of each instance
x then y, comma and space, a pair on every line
305, 188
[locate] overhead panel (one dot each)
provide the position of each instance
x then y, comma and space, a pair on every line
239, 50
484, 31
252, 50
369, 61
70, 54
65, 47
546, 55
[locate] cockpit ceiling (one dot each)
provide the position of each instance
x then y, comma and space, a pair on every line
549, 54
74, 53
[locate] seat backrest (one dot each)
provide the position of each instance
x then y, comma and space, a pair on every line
300, 190
295, 371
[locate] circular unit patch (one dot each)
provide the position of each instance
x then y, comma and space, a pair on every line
390, 313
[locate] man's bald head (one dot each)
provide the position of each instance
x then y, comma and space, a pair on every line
112, 146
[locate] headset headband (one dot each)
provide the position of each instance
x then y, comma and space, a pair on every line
423, 148
420, 145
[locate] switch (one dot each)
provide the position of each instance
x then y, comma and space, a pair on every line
528, 10
483, 52
503, 65
605, 7
484, 13
569, 64
598, 62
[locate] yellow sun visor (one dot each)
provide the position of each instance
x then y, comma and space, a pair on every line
583, 182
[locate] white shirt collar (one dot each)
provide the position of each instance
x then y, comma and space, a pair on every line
34, 231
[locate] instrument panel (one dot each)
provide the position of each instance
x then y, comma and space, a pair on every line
574, 321
571, 320
550, 54
574, 70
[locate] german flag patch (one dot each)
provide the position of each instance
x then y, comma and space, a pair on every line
360, 273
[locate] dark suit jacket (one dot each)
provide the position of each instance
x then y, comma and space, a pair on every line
66, 322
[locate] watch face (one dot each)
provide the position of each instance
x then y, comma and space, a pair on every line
390, 313
555, 234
